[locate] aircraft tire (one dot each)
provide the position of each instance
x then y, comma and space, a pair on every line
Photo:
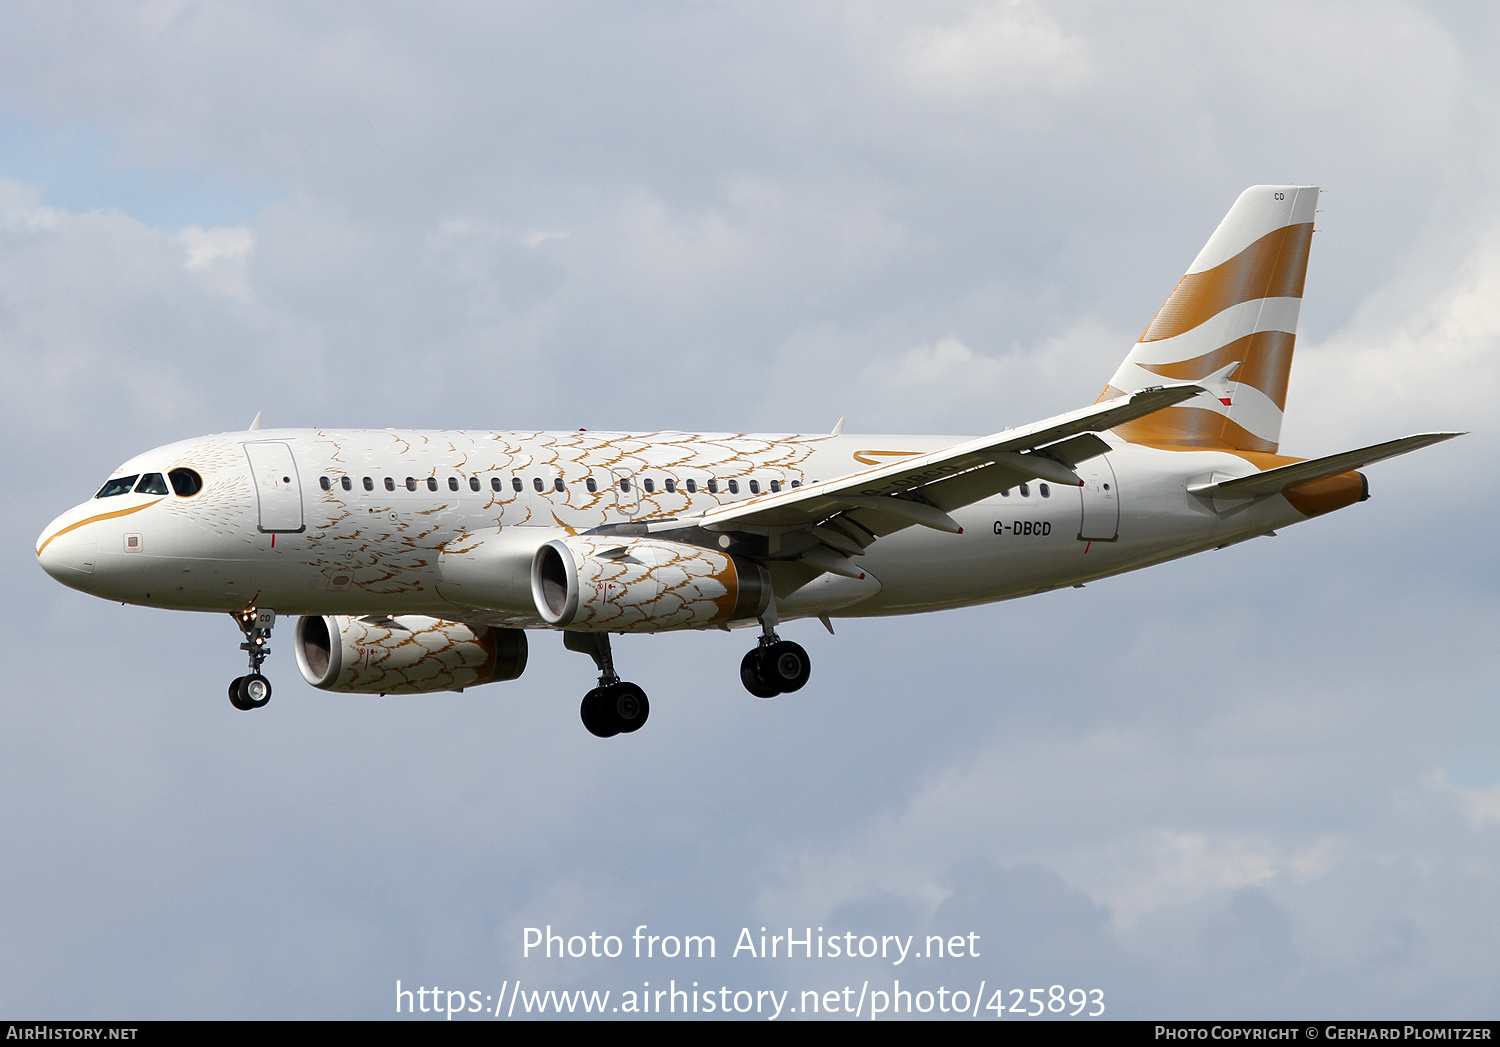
593, 715
750, 676
785, 665
234, 695
254, 691
628, 707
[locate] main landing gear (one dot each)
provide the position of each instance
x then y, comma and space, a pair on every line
775, 666
615, 706
253, 691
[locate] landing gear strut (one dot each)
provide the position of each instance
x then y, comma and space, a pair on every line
775, 666
253, 691
615, 706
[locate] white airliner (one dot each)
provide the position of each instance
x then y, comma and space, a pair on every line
418, 560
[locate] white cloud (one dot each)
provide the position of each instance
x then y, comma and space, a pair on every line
1006, 47
221, 255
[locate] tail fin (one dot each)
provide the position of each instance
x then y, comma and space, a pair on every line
1238, 304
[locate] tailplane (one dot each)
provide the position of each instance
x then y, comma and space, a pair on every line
1232, 319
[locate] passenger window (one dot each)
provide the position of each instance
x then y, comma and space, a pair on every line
1025, 491
559, 486
494, 483
369, 484
346, 483
151, 483
411, 483
625, 484
185, 482
775, 486
1043, 490
650, 486
473, 483
1005, 493
796, 483
713, 487
592, 486
755, 487
515, 483
325, 483
120, 486
734, 487
432, 483
536, 481
390, 485
692, 486
671, 486
452, 483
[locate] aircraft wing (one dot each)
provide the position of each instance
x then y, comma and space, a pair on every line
1274, 480
849, 513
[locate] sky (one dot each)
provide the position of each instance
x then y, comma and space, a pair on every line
1260, 782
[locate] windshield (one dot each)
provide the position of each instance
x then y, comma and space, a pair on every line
120, 485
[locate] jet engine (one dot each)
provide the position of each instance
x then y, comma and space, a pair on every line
643, 584
409, 654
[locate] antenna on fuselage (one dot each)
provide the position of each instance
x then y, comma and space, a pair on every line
838, 430
255, 425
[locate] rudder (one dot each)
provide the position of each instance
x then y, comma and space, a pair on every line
1237, 303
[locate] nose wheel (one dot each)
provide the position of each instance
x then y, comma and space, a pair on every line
249, 692
253, 691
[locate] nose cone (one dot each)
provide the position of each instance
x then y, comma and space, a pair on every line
67, 551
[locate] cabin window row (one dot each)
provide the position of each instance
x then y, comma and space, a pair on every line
1025, 491
649, 485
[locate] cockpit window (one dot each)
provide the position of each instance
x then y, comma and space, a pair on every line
151, 483
122, 485
185, 482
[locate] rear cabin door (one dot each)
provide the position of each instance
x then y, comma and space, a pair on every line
277, 486
1101, 501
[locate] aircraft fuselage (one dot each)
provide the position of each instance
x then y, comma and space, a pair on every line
365, 521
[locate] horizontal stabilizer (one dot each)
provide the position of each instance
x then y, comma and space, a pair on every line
1274, 480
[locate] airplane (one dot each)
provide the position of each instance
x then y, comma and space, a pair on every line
417, 562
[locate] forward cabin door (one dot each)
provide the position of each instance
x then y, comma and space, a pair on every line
277, 487
1101, 501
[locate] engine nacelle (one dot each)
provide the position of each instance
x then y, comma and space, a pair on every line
411, 654
643, 584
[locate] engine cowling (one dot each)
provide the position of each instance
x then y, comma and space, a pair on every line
643, 584
410, 654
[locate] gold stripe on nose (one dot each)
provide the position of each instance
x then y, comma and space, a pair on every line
92, 519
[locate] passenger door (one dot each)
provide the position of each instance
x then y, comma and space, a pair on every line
278, 488
1101, 501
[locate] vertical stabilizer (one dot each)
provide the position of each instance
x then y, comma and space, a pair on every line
1237, 304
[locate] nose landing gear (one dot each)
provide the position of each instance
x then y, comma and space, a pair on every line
253, 691
615, 706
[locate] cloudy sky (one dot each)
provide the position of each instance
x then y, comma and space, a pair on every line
1262, 782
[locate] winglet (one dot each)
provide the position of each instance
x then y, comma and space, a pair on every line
1218, 383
